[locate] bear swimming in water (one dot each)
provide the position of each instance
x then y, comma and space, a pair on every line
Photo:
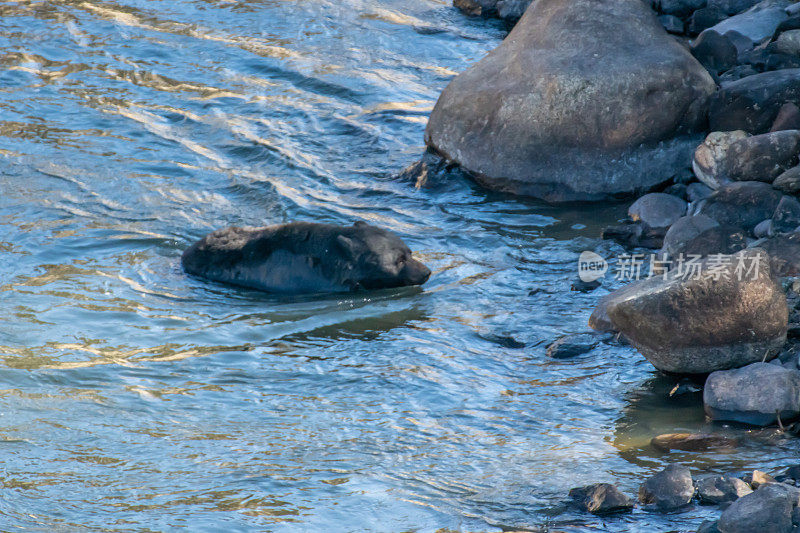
304, 257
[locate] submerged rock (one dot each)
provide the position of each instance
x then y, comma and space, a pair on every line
756, 394
572, 346
721, 489
586, 121
727, 313
601, 498
743, 204
769, 509
752, 103
669, 489
691, 442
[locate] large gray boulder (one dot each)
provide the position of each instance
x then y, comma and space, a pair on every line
584, 100
756, 394
729, 314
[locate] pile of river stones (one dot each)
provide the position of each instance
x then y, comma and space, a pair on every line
693, 107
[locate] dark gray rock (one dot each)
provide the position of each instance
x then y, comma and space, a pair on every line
761, 157
713, 241
788, 42
788, 118
714, 51
705, 18
784, 254
729, 314
763, 229
657, 211
512, 10
678, 190
710, 161
787, 215
698, 191
684, 231
680, 8
792, 23
737, 73
721, 489
669, 489
732, 7
672, 24
755, 394
752, 103
572, 346
633, 234
579, 285
768, 509
757, 24
601, 499
789, 181
602, 117
743, 204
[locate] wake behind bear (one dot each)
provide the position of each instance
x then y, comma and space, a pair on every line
304, 257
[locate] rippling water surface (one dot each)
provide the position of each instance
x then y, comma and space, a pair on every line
134, 398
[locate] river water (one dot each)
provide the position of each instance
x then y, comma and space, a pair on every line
134, 398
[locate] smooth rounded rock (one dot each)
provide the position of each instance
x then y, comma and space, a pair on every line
657, 211
600, 117
755, 394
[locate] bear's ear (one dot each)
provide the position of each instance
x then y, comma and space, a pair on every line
347, 245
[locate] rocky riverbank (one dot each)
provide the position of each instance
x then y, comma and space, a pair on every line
693, 107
